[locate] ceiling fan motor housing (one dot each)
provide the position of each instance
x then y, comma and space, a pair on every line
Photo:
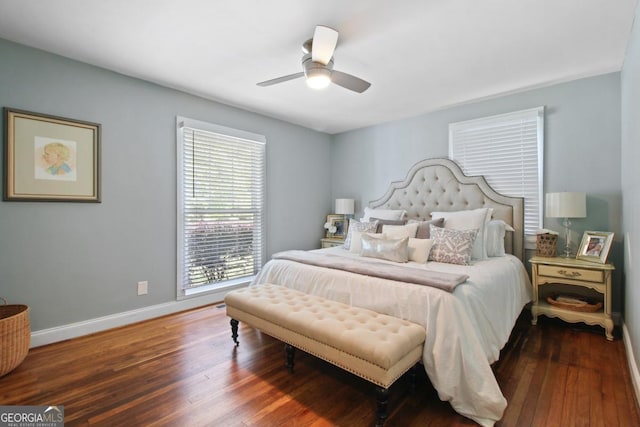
312, 68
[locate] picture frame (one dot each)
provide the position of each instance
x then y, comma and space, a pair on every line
595, 246
340, 223
50, 159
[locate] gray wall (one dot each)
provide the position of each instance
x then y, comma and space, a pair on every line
631, 183
581, 152
71, 262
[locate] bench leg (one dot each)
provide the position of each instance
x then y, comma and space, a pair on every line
382, 398
413, 373
234, 331
290, 351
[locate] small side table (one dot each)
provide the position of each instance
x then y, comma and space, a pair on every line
329, 243
569, 271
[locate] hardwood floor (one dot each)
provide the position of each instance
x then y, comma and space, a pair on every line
183, 370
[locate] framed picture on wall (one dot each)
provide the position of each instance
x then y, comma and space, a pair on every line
595, 246
49, 158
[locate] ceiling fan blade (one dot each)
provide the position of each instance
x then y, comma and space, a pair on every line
281, 79
324, 44
348, 81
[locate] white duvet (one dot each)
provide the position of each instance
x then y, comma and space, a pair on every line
465, 329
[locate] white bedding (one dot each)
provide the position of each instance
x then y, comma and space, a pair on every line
465, 329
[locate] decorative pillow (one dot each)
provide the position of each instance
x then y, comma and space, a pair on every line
419, 250
423, 227
390, 249
356, 240
496, 230
354, 225
382, 222
392, 214
474, 219
400, 231
452, 246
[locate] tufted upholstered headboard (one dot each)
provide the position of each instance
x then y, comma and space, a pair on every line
439, 185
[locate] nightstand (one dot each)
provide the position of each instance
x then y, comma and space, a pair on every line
329, 243
568, 271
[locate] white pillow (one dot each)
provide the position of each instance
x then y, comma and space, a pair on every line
400, 231
356, 240
419, 250
392, 214
469, 220
496, 230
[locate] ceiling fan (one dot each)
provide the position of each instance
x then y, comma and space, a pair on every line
317, 63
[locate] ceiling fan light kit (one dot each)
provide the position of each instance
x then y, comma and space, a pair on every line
317, 63
318, 75
318, 78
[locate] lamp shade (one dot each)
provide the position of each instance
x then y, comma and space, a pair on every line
345, 206
566, 205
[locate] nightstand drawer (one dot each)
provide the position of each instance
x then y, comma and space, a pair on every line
596, 276
330, 243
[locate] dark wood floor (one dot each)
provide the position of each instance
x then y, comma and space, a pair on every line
182, 370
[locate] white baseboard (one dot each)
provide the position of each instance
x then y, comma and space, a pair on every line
631, 360
74, 330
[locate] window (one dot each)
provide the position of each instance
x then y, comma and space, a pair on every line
507, 149
221, 199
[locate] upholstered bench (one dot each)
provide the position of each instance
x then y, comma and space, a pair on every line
373, 346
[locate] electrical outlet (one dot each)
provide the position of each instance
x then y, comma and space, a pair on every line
143, 288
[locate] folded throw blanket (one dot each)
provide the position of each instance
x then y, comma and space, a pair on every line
401, 273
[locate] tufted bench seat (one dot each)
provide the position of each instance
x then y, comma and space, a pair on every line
373, 346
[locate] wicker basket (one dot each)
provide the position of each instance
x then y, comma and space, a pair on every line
15, 335
546, 244
588, 306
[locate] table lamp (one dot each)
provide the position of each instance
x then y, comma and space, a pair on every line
566, 205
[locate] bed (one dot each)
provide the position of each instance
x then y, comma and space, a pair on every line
466, 325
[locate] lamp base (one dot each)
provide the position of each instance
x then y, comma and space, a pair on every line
567, 239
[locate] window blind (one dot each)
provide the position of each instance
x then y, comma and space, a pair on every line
221, 205
507, 149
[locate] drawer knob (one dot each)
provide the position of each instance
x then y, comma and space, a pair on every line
569, 274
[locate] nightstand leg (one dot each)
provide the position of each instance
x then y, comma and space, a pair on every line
534, 315
608, 329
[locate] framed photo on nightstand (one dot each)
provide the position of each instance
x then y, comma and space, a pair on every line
595, 246
336, 226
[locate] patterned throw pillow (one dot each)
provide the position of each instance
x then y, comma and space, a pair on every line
355, 225
451, 246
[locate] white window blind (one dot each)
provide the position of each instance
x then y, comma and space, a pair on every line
508, 150
221, 199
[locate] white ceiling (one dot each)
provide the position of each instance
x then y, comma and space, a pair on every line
419, 55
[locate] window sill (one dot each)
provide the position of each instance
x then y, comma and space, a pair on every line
225, 287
